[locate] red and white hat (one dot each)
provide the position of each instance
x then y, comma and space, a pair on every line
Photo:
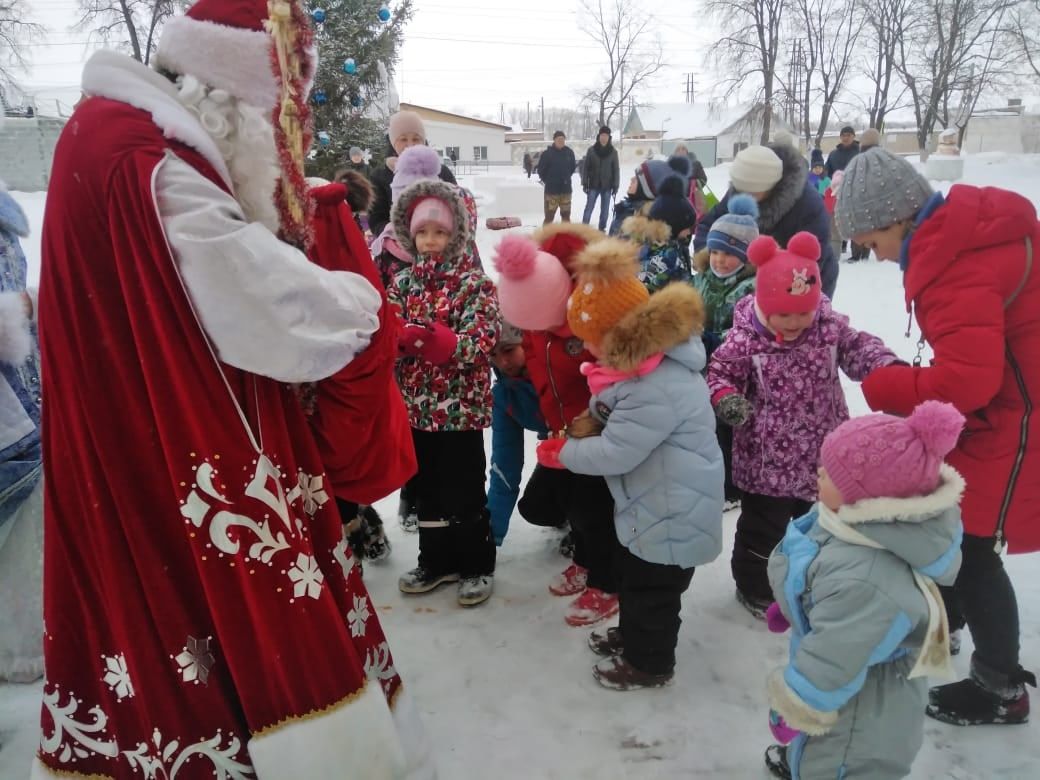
787, 280
224, 44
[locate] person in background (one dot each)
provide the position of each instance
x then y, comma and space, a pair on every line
356, 162
405, 129
649, 431
515, 410
855, 582
818, 177
842, 154
776, 381
776, 177
698, 179
528, 164
556, 169
643, 188
970, 277
600, 177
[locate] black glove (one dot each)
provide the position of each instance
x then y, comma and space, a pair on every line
733, 409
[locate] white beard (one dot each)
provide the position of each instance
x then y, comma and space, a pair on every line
245, 137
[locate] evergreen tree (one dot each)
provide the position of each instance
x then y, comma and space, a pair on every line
349, 106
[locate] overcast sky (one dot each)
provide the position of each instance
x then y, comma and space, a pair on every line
458, 54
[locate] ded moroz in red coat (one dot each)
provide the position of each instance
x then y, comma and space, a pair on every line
360, 420
204, 617
977, 302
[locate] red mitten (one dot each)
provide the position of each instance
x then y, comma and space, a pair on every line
549, 453
411, 339
440, 344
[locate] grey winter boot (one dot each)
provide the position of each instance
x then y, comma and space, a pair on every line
418, 580
475, 590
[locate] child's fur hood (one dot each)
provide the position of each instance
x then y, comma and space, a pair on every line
432, 188
671, 317
644, 230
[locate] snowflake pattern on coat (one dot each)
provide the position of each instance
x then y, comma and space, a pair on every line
457, 395
795, 394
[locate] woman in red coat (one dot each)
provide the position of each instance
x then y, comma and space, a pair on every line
968, 275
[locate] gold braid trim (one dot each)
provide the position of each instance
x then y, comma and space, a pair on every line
285, 36
348, 699
70, 773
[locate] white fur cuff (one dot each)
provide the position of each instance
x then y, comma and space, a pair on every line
796, 712
15, 342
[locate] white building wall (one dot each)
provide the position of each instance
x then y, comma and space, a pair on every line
441, 135
994, 134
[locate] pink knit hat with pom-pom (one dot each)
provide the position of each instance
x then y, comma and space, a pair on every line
881, 456
787, 280
533, 286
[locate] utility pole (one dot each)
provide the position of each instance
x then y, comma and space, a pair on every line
543, 117
526, 126
688, 89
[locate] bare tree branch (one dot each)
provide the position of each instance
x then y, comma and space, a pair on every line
134, 25
633, 53
15, 35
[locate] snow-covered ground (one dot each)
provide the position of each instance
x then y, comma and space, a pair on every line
507, 690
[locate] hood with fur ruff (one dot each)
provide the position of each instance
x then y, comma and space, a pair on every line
643, 230
670, 318
401, 215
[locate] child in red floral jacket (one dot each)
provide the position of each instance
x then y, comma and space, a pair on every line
449, 316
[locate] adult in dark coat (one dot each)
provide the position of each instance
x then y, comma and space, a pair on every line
406, 129
786, 208
555, 168
842, 154
698, 174
528, 164
356, 162
600, 177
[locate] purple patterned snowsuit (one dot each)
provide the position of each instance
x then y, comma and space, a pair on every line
796, 399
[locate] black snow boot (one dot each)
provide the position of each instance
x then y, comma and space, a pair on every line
776, 761
377, 546
987, 697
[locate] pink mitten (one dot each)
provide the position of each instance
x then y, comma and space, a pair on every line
549, 453
775, 619
783, 733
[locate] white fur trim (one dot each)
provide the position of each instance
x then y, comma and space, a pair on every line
355, 739
228, 58
796, 712
15, 341
417, 747
917, 508
118, 77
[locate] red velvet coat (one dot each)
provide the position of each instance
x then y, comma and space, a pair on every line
966, 261
360, 420
199, 597
554, 363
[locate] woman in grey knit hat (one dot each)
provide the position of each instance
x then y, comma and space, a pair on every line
968, 277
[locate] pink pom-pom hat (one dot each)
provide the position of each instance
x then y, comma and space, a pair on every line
880, 456
533, 286
787, 280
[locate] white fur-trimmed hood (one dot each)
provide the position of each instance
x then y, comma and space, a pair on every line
908, 510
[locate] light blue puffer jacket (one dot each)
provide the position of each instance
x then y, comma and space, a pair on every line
658, 450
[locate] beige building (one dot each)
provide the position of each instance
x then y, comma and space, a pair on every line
463, 138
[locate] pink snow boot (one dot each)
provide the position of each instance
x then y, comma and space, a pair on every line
570, 581
591, 607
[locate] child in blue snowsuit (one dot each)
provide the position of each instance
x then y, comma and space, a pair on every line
515, 410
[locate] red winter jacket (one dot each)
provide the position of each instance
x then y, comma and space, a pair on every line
360, 421
978, 305
554, 363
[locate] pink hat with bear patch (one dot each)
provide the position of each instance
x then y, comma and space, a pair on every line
882, 456
533, 285
787, 280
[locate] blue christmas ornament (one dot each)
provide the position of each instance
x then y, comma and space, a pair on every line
318, 15
356, 101
324, 139
349, 66
384, 12
320, 98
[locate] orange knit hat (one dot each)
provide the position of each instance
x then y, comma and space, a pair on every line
606, 288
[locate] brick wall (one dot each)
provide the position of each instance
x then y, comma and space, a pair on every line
27, 151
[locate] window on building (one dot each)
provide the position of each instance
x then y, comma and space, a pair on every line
738, 147
479, 152
452, 153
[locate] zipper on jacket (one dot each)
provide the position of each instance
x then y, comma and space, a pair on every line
552, 379
1023, 439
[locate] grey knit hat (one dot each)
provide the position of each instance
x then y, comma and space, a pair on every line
879, 190
732, 232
